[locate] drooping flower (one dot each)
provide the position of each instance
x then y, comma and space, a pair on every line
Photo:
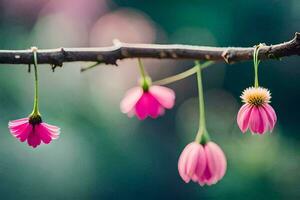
147, 100
203, 164
256, 113
33, 130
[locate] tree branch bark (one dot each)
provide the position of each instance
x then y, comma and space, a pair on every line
110, 55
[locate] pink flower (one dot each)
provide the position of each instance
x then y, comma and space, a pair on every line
151, 102
34, 131
205, 164
256, 114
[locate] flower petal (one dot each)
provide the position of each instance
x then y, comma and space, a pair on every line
271, 115
147, 105
221, 159
210, 175
243, 117
43, 133
264, 121
258, 121
192, 160
131, 98
54, 130
182, 163
201, 165
165, 96
33, 139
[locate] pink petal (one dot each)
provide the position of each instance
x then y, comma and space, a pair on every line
271, 115
33, 139
25, 133
53, 130
264, 121
210, 176
147, 106
43, 133
18, 121
221, 159
154, 109
15, 125
165, 96
192, 159
17, 129
206, 177
161, 110
201, 165
20, 128
257, 123
243, 117
131, 98
182, 163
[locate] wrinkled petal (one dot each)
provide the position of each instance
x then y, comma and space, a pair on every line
165, 96
244, 116
131, 98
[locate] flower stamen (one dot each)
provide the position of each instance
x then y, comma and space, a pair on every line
256, 96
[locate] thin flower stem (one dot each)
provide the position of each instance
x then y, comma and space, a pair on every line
83, 69
176, 77
142, 69
256, 63
181, 75
36, 94
202, 122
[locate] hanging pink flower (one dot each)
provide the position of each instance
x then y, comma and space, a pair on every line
204, 164
256, 114
33, 130
151, 101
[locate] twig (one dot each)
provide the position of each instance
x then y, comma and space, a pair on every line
110, 55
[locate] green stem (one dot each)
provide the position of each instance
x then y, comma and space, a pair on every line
256, 63
176, 77
83, 69
182, 75
35, 111
145, 80
202, 122
142, 69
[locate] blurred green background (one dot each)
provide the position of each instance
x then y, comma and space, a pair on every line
102, 154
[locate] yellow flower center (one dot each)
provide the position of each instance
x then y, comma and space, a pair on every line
256, 96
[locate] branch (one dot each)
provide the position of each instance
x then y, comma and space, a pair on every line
110, 55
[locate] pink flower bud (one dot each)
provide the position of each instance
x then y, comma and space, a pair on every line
204, 164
